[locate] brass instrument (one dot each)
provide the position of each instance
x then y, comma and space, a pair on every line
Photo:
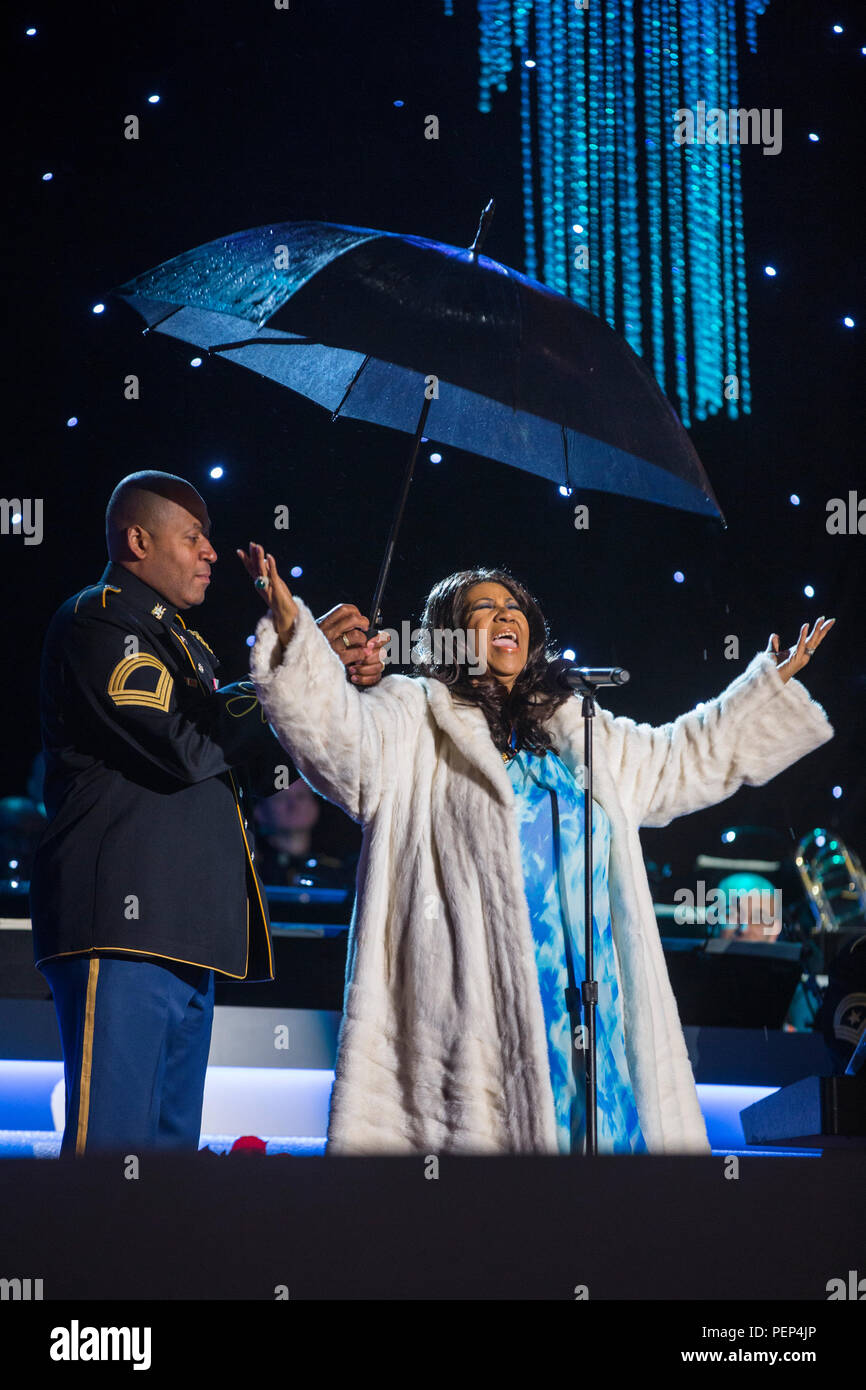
834, 880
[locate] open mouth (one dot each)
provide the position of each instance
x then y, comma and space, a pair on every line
506, 641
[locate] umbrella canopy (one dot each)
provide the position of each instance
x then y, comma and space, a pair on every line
370, 323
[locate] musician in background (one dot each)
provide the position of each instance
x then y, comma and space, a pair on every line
300, 837
754, 909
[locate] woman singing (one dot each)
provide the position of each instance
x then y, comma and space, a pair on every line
466, 780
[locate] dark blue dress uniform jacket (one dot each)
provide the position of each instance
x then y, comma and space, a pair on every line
147, 850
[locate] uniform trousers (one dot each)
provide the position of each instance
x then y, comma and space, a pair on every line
136, 1037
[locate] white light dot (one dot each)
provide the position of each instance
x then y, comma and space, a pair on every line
529, 62
577, 227
837, 29
565, 491
30, 33
16, 520
678, 576
837, 792
73, 420
195, 362
813, 137
729, 835
435, 458
217, 471
820, 841
848, 321
99, 309
13, 883
794, 499
770, 270
251, 641
569, 654
13, 863
46, 178
312, 863
296, 571
154, 99
809, 591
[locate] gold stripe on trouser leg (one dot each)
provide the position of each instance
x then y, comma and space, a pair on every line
86, 1057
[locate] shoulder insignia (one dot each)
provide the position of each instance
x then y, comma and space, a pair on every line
201, 639
94, 590
153, 696
158, 610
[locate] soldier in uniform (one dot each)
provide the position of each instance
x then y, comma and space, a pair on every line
144, 883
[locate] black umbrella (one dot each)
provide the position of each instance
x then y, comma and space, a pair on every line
417, 335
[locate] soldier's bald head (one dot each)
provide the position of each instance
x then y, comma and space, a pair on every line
148, 499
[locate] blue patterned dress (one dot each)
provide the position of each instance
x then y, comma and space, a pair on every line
553, 873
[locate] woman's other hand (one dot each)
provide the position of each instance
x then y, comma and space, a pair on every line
791, 660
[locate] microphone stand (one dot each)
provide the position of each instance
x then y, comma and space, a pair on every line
589, 987
572, 678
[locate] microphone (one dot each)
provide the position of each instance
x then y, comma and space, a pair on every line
563, 676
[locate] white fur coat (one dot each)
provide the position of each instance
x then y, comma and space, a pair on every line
442, 1045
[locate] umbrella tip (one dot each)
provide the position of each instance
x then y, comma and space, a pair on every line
483, 228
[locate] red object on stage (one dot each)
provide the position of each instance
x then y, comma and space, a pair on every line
249, 1143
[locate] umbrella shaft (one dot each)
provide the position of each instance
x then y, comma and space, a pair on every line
395, 524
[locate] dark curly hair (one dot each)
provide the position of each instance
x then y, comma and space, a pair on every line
532, 699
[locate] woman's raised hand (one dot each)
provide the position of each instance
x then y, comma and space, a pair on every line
275, 591
793, 659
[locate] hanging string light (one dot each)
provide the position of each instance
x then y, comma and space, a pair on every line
640, 229
676, 172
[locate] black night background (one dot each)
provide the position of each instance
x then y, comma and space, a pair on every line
269, 114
